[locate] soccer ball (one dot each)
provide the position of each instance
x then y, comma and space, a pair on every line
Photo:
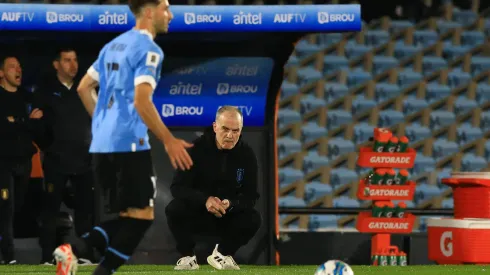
334, 267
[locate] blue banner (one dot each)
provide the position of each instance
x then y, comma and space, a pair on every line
191, 95
118, 18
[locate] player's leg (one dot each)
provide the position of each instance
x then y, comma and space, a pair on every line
6, 213
236, 230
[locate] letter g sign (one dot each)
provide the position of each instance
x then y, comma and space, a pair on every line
446, 243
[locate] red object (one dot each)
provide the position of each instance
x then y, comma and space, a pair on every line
458, 241
368, 158
471, 197
367, 224
386, 192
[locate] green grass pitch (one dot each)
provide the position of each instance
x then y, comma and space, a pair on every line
257, 270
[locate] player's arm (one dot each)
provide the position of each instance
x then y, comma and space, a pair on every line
88, 84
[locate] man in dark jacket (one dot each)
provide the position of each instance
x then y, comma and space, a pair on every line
217, 195
20, 126
67, 159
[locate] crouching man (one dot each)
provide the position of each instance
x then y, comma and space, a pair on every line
217, 195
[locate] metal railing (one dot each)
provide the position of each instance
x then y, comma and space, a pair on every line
356, 210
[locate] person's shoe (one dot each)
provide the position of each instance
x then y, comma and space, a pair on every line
187, 263
82, 261
66, 261
12, 262
220, 262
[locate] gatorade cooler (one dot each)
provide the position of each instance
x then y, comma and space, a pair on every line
459, 241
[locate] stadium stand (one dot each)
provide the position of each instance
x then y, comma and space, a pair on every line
427, 80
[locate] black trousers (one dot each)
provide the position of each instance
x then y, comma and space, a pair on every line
186, 220
14, 179
55, 192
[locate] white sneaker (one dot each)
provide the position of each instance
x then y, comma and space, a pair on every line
187, 263
66, 262
220, 262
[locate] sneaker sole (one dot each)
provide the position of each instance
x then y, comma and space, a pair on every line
196, 267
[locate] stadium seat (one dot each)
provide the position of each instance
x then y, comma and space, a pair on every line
342, 176
289, 175
463, 105
315, 190
416, 132
405, 51
457, 77
339, 146
343, 201
451, 52
292, 61
357, 76
443, 148
435, 92
353, 50
313, 161
337, 118
411, 104
482, 93
361, 103
303, 48
376, 37
479, 64
308, 75
334, 91
472, 163
399, 25
333, 63
362, 132
425, 37
328, 39
485, 121
388, 118
472, 38
408, 77
464, 17
448, 203
322, 221
423, 164
443, 174
311, 131
291, 201
425, 192
432, 64
385, 91
287, 116
467, 133
309, 103
444, 26
288, 89
287, 146
383, 63
441, 118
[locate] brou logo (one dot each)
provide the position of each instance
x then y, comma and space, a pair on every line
325, 17
399, 160
53, 17
192, 18
225, 88
169, 110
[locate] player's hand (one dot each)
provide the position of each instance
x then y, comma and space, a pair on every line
226, 204
215, 207
179, 157
36, 114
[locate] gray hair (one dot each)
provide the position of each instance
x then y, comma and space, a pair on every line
228, 108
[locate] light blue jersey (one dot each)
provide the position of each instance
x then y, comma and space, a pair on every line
128, 60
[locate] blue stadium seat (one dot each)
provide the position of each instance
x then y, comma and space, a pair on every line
485, 121
362, 132
334, 91
467, 133
361, 103
399, 25
405, 51
432, 64
479, 64
313, 161
307, 75
482, 93
444, 26
416, 132
337, 118
472, 38
342, 176
451, 52
448, 203
288, 89
425, 37
343, 201
388, 118
291, 201
435, 92
357, 76
376, 37
287, 116
289, 175
328, 39
443, 148
423, 164
464, 104
425, 192
311, 131
287, 146
441, 118
472, 163
309, 103
315, 190
443, 174
353, 50
412, 104
465, 17
303, 48
339, 146
333, 63
408, 77
385, 91
322, 221
457, 77
292, 61
382, 63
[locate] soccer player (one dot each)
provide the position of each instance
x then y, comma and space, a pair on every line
127, 71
